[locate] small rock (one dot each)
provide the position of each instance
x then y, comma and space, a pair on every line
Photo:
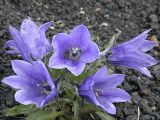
104, 24
1, 69
136, 98
153, 18
147, 117
9, 99
129, 111
132, 117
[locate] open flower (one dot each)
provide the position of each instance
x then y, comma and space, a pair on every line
101, 90
131, 54
73, 51
34, 84
30, 41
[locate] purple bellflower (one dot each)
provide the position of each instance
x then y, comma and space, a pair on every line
131, 54
34, 84
30, 41
73, 51
101, 90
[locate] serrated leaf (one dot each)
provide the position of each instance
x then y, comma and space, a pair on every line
18, 110
44, 115
105, 116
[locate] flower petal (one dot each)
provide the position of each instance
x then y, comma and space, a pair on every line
29, 96
115, 95
44, 41
49, 97
133, 44
102, 72
57, 61
147, 45
62, 42
90, 54
13, 46
87, 84
76, 68
130, 57
109, 80
89, 96
81, 36
32, 39
106, 105
19, 44
18, 82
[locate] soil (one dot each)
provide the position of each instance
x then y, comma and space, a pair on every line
102, 17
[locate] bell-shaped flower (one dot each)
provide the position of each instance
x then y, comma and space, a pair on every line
74, 50
132, 54
33, 83
101, 90
30, 42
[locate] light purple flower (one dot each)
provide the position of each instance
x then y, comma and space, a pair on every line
73, 51
101, 90
34, 84
131, 54
30, 41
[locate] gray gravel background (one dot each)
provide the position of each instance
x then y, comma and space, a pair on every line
102, 17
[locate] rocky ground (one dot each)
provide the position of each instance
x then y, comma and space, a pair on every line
102, 17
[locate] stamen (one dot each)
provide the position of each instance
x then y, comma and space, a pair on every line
97, 91
45, 88
73, 53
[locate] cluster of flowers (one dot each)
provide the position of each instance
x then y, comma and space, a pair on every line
71, 51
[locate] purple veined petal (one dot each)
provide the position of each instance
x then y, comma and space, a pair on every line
44, 40
90, 54
102, 72
151, 61
76, 68
57, 61
89, 96
62, 42
19, 44
115, 95
13, 46
29, 96
24, 69
12, 52
41, 68
87, 83
143, 70
110, 80
81, 36
31, 38
129, 57
49, 97
106, 105
18, 82
133, 44
147, 45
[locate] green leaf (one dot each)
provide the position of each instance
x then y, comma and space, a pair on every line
44, 115
110, 43
55, 73
69, 93
18, 110
105, 116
